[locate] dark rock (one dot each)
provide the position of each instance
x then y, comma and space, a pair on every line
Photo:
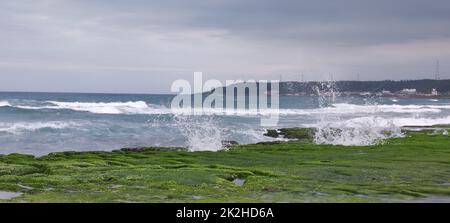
272, 133
228, 144
145, 149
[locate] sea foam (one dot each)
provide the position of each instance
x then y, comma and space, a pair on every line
22, 127
141, 107
4, 104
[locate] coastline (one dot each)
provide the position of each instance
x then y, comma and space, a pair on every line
405, 169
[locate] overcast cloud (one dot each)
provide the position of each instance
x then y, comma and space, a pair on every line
142, 46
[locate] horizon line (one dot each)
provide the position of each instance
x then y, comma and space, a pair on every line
170, 93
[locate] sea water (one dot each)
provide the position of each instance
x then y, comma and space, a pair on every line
40, 123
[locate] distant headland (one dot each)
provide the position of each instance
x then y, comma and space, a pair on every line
425, 88
403, 88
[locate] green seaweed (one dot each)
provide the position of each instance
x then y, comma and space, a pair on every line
402, 169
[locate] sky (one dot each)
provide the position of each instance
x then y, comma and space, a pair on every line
140, 46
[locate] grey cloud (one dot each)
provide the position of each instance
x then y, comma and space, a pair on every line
339, 22
258, 38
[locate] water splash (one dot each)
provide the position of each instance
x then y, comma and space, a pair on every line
332, 129
201, 133
357, 132
326, 93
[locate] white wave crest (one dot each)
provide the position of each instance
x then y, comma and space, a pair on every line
368, 130
4, 103
421, 121
131, 107
341, 108
21, 127
141, 107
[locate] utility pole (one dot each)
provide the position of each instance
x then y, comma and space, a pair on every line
437, 74
358, 77
302, 77
331, 77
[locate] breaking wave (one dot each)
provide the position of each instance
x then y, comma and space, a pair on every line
368, 130
130, 107
141, 107
357, 131
22, 127
4, 104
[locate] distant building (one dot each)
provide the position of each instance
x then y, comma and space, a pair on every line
408, 91
434, 92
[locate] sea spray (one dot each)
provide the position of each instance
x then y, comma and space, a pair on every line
326, 93
333, 129
201, 133
357, 132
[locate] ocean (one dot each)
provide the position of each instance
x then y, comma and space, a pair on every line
41, 123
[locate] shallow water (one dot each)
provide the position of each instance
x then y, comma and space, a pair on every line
239, 182
432, 199
40, 123
5, 195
